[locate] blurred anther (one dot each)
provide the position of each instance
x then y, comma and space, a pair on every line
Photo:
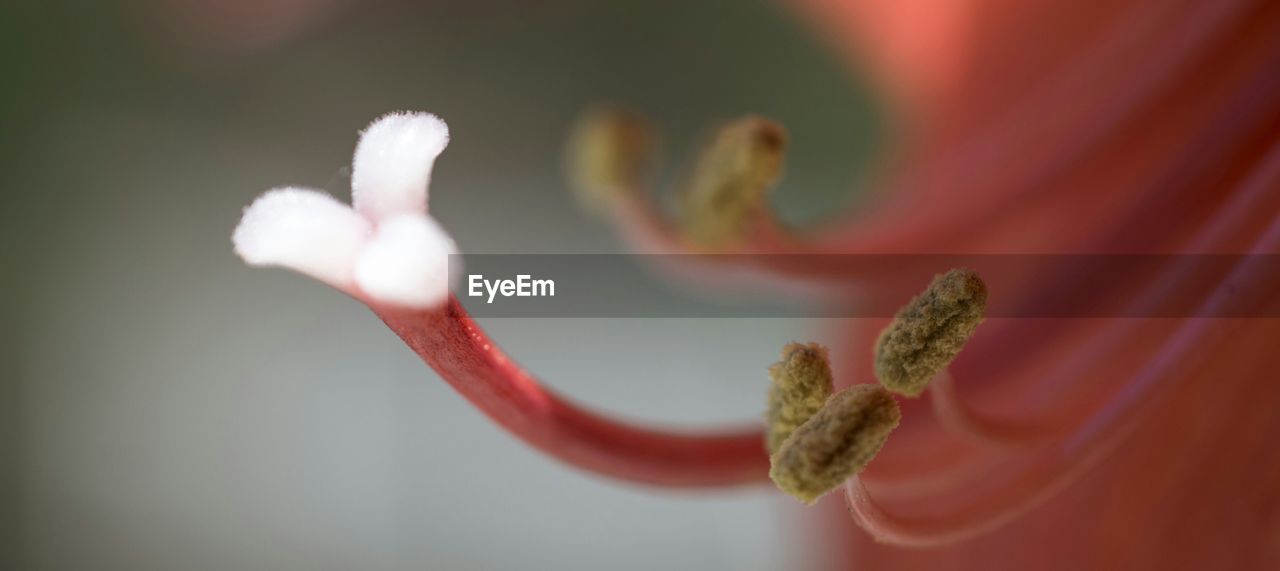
610, 153
728, 185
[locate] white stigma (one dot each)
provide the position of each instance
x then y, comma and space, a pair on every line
385, 249
407, 262
392, 164
303, 230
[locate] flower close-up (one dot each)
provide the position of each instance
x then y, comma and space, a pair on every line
833, 284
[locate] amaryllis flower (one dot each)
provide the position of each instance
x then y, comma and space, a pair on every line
1142, 438
1099, 128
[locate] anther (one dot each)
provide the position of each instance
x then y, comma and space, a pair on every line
928, 333
730, 179
800, 384
836, 443
609, 154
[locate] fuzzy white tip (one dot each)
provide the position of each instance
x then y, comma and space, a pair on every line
392, 164
303, 230
407, 262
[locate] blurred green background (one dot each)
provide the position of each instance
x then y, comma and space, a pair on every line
165, 407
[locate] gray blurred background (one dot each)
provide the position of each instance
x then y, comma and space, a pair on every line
164, 407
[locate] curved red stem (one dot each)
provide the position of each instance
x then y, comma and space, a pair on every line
452, 343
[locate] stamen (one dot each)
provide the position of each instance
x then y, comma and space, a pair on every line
730, 180
610, 153
1039, 477
835, 443
801, 383
928, 333
952, 413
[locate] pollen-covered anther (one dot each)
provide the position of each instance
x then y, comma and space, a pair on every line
928, 333
610, 153
729, 181
800, 383
835, 443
